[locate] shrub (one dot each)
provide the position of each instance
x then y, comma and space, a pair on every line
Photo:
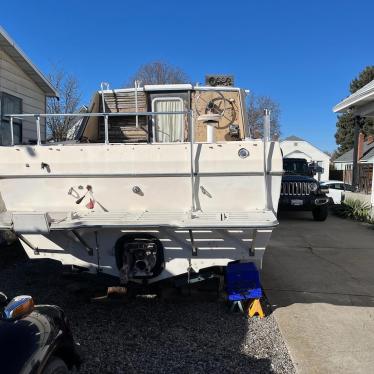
356, 209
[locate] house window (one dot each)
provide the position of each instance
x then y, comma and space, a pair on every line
168, 127
10, 105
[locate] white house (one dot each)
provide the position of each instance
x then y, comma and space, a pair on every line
361, 104
295, 147
23, 89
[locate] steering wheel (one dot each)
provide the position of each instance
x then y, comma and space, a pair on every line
218, 104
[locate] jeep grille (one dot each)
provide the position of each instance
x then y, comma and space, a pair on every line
295, 188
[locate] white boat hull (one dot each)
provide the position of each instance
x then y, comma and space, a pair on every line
226, 202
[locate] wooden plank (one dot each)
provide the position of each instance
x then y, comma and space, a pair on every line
124, 130
124, 102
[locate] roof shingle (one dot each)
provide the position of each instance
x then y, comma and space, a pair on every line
294, 138
368, 152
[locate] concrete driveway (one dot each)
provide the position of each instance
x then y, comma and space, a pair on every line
319, 277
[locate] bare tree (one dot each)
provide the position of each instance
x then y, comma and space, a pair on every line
68, 88
256, 107
158, 72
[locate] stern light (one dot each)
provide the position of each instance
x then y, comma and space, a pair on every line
19, 307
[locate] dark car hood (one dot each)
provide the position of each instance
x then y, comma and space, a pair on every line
297, 178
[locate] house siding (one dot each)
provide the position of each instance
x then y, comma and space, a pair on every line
16, 82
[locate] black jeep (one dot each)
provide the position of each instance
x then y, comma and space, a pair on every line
300, 191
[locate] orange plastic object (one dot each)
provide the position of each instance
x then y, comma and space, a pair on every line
255, 308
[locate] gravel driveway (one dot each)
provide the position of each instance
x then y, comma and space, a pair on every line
190, 334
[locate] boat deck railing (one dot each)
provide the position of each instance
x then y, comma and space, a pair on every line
104, 115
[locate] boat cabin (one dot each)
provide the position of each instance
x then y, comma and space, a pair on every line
221, 109
160, 182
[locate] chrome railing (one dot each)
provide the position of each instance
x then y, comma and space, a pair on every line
106, 117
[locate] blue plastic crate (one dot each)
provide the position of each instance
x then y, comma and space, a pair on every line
243, 281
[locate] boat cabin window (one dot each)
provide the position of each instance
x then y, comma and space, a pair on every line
168, 127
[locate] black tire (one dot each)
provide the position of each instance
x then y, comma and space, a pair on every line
7, 238
320, 213
2, 240
55, 366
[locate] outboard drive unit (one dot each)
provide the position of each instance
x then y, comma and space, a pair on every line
139, 256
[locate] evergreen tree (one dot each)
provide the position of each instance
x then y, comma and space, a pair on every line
344, 135
366, 76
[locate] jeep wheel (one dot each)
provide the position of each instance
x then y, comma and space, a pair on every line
320, 213
55, 366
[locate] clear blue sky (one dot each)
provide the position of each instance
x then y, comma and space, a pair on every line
301, 53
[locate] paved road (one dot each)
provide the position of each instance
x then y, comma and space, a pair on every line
320, 278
